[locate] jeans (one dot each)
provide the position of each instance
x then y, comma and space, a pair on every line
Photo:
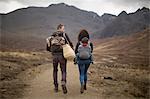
83, 68
59, 59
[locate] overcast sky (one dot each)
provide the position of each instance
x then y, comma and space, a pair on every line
98, 6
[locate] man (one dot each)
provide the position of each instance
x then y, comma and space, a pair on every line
54, 44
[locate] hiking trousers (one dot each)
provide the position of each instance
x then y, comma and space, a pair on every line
59, 60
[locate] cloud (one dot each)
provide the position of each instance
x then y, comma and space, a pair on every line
35, 2
128, 5
10, 5
98, 6
145, 3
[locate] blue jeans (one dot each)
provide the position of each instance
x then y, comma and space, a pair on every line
83, 68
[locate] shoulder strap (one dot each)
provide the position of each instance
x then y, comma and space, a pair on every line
89, 43
80, 43
64, 35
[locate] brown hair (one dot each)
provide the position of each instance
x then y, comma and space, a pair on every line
59, 26
83, 33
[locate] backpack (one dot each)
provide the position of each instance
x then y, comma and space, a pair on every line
56, 41
84, 52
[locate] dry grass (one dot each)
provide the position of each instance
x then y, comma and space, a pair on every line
124, 82
125, 61
14, 63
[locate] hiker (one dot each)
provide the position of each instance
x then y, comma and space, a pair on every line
54, 45
83, 51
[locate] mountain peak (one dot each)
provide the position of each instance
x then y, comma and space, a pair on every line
58, 4
107, 15
144, 8
123, 13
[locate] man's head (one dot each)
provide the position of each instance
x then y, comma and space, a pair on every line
61, 28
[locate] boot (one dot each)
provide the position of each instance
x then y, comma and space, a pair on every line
56, 89
82, 89
64, 88
85, 87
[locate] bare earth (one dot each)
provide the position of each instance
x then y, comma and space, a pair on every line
41, 87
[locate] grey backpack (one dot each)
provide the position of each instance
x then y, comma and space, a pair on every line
84, 52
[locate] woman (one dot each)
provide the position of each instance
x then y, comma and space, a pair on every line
83, 45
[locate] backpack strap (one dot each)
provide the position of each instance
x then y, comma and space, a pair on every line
89, 43
48, 40
64, 35
80, 43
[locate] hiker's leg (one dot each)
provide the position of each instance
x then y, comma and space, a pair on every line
55, 70
85, 72
85, 75
63, 65
81, 71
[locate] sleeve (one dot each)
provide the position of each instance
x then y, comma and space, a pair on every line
48, 44
76, 49
91, 44
70, 43
48, 41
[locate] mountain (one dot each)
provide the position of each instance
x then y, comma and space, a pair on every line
30, 26
126, 24
42, 21
27, 28
107, 18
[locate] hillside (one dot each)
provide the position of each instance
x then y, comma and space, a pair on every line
27, 28
127, 50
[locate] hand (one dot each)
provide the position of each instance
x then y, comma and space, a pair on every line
75, 63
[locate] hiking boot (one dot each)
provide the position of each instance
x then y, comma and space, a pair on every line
85, 87
56, 89
64, 88
82, 89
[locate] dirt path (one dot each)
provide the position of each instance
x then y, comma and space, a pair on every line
41, 87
